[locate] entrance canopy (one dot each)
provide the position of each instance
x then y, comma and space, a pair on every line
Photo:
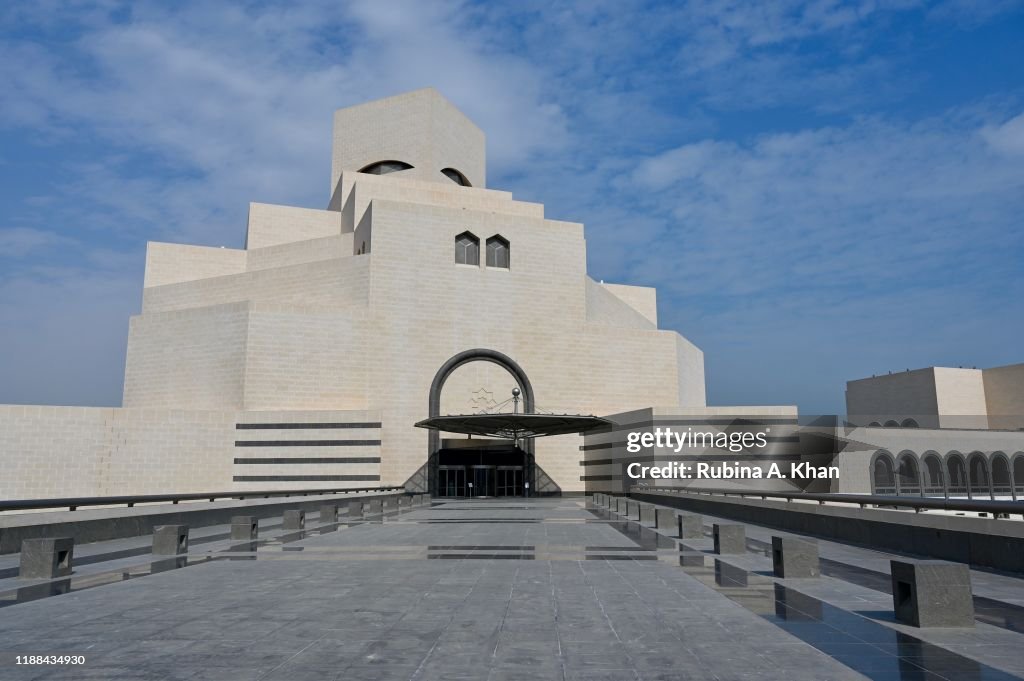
514, 426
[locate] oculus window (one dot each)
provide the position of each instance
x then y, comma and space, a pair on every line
385, 167
455, 176
498, 252
467, 249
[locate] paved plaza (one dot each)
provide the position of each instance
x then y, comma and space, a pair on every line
494, 590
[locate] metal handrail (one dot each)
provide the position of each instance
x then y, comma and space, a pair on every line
74, 502
917, 503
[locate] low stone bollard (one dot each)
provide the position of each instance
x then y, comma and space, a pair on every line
691, 526
730, 538
376, 506
170, 540
328, 513
355, 509
46, 558
932, 593
665, 520
244, 527
621, 505
293, 519
794, 558
647, 515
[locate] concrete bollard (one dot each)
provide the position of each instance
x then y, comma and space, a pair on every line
170, 540
691, 526
665, 520
794, 558
293, 519
376, 506
46, 558
328, 513
647, 515
404, 503
609, 502
621, 506
932, 593
730, 538
355, 509
244, 527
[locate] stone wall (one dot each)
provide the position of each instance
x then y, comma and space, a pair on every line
54, 452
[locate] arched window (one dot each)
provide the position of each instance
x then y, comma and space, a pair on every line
909, 482
467, 249
883, 474
931, 471
956, 474
1002, 484
455, 176
874, 424
1018, 475
978, 482
498, 252
385, 167
909, 423
892, 424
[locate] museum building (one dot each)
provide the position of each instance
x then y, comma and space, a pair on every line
306, 358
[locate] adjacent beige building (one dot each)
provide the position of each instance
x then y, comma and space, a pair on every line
304, 359
937, 431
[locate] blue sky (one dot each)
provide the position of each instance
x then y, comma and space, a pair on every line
821, 191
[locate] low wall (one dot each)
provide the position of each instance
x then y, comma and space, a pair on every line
981, 542
117, 523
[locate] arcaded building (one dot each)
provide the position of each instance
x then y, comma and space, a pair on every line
938, 431
305, 358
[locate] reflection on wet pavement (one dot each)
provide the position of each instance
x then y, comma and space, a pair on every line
872, 649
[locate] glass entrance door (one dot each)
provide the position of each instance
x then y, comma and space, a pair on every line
510, 481
451, 481
483, 481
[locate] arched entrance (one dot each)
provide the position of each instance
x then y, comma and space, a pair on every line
496, 469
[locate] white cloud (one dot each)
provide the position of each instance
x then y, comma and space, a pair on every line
1007, 138
18, 242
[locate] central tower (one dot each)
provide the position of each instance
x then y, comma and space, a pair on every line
419, 134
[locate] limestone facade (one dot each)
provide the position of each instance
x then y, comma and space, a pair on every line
329, 326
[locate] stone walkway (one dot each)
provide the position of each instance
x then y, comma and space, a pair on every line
487, 590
